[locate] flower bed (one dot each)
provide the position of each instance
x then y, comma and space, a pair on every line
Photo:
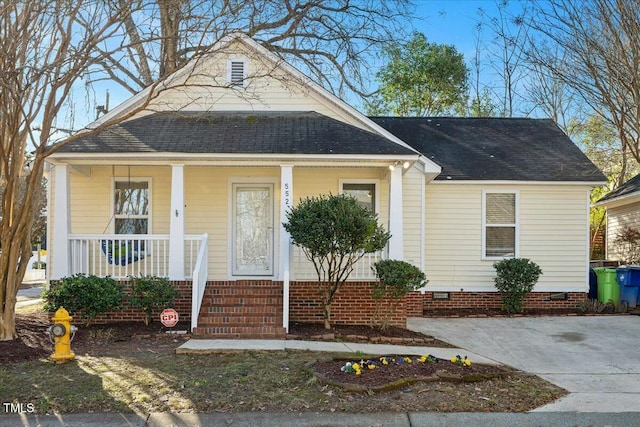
392, 372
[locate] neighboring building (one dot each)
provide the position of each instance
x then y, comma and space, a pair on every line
196, 186
623, 211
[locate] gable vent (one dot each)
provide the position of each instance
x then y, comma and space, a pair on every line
236, 73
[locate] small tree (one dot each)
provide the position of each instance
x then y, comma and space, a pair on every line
515, 278
628, 245
334, 232
152, 293
396, 280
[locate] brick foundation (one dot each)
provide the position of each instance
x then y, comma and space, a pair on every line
352, 305
493, 300
134, 314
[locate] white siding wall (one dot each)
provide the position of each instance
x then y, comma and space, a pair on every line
618, 218
553, 233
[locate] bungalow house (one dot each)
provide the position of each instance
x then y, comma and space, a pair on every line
623, 211
195, 183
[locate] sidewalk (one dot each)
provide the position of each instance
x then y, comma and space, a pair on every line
30, 296
328, 419
204, 346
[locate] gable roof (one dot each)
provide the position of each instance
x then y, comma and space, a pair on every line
513, 149
626, 190
260, 132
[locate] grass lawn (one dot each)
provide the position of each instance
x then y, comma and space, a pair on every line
145, 375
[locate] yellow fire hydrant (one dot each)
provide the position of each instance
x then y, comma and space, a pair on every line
61, 334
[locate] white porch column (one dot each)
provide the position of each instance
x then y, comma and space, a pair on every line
60, 227
286, 202
395, 214
176, 224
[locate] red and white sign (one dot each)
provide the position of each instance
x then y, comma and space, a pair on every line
169, 317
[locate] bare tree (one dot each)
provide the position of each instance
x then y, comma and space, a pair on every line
599, 42
331, 40
506, 53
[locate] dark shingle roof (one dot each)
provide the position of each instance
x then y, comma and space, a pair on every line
237, 133
626, 189
495, 148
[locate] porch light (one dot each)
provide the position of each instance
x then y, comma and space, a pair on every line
392, 167
405, 165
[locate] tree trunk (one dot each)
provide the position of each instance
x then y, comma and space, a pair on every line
326, 311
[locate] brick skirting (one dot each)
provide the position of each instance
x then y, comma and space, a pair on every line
493, 300
134, 314
352, 305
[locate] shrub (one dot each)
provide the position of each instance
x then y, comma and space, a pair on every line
515, 278
595, 306
396, 279
92, 295
152, 293
334, 232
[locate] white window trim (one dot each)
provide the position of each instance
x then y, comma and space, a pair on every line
230, 231
148, 180
245, 71
484, 224
376, 182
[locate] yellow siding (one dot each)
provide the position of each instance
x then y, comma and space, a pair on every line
206, 198
269, 88
618, 218
553, 233
412, 214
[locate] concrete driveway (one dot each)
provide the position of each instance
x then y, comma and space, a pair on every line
596, 359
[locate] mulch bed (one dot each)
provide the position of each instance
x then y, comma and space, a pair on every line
360, 333
399, 375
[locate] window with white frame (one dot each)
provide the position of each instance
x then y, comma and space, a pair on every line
363, 191
131, 206
237, 72
500, 224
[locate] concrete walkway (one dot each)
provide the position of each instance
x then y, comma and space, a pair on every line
596, 359
204, 346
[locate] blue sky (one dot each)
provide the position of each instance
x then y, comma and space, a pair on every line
442, 21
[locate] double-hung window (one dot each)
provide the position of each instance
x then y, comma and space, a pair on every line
500, 224
131, 206
363, 191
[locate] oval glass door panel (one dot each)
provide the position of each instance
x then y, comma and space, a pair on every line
252, 230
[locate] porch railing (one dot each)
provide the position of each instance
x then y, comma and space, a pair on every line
200, 272
303, 269
124, 255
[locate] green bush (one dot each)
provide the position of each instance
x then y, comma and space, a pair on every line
515, 278
152, 293
396, 279
91, 295
334, 232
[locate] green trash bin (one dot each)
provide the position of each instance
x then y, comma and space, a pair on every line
608, 288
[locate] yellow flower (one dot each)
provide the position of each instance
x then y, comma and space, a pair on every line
356, 366
467, 362
371, 366
454, 359
407, 359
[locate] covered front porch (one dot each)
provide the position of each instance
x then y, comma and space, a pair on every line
210, 232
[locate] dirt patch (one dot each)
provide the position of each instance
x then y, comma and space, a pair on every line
360, 333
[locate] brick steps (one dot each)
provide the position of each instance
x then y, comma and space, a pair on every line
242, 309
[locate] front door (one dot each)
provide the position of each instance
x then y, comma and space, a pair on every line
252, 238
